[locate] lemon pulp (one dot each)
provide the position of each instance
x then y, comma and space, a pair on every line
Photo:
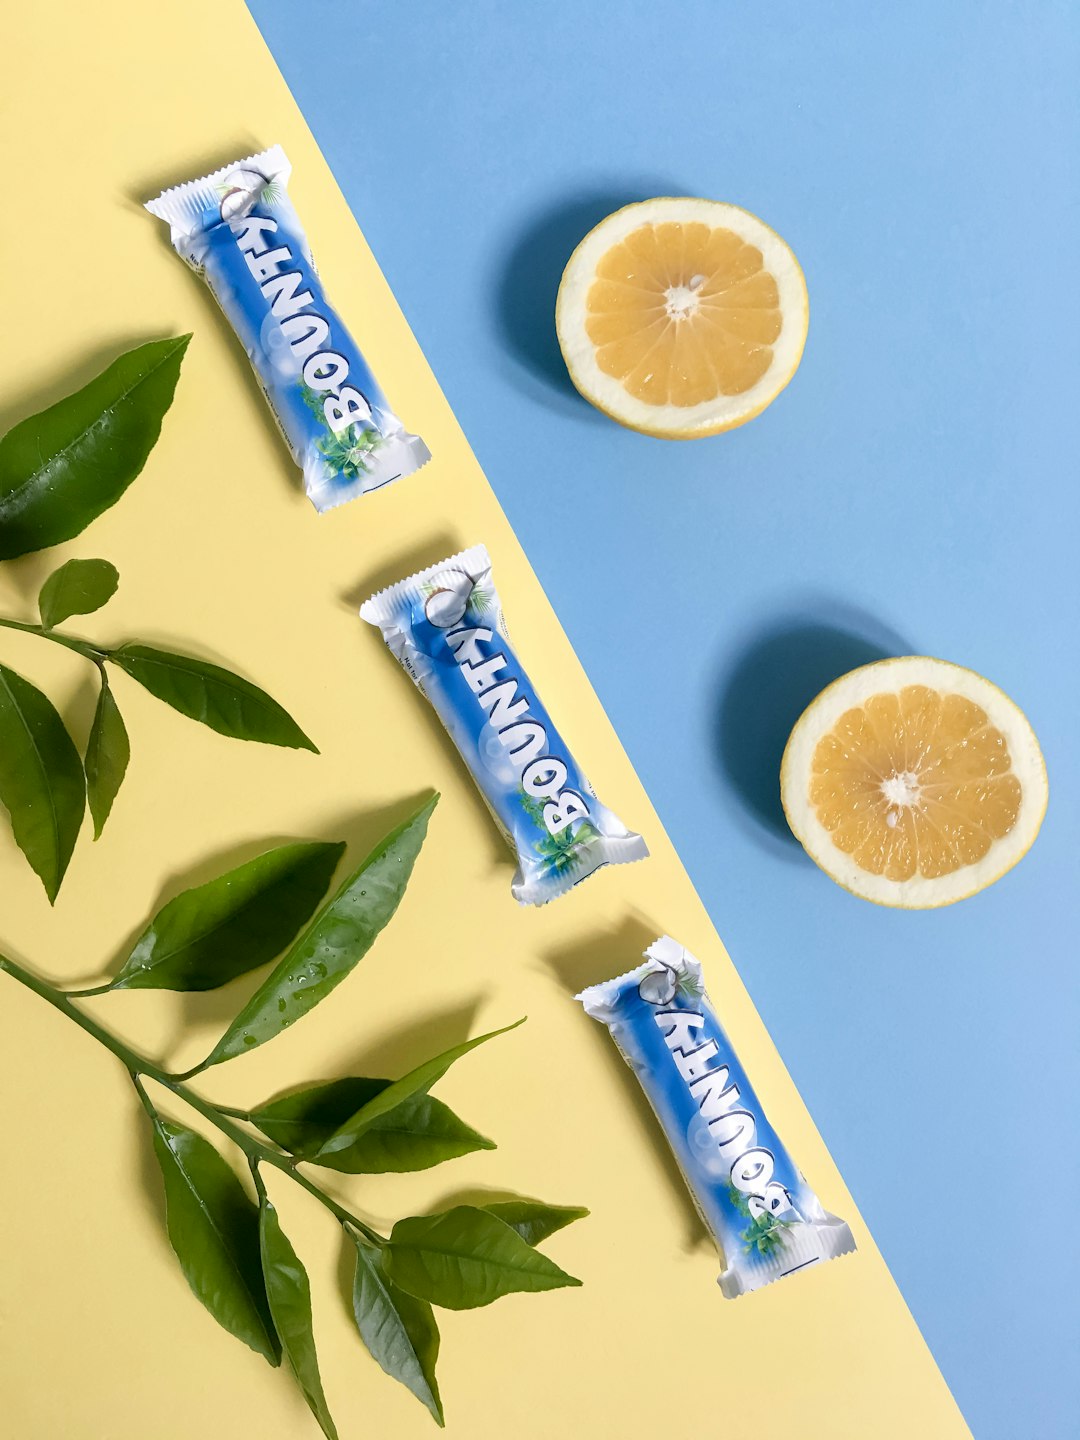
913, 782
681, 317
917, 782
682, 313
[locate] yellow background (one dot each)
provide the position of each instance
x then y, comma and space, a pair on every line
220, 554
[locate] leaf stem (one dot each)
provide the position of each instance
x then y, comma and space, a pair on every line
256, 1175
138, 1066
182, 1075
236, 1114
81, 647
144, 1098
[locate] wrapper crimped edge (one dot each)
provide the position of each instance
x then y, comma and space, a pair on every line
378, 609
182, 206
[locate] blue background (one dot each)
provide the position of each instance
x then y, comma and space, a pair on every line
914, 490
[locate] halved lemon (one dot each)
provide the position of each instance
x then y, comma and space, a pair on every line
682, 317
914, 782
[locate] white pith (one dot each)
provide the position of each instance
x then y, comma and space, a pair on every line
901, 789
723, 411
890, 676
681, 301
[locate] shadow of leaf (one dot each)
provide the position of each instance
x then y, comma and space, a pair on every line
78, 712
145, 1167
428, 1035
346, 1271
39, 394
491, 1195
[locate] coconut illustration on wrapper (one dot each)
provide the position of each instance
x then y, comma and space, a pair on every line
659, 986
242, 189
448, 599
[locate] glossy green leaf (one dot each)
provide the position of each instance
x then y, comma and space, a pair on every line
301, 1121
214, 1229
232, 924
78, 588
41, 779
418, 1133
416, 1082
290, 1305
398, 1329
332, 945
466, 1257
216, 697
415, 1135
532, 1219
61, 468
107, 755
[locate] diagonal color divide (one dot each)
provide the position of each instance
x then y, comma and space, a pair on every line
215, 540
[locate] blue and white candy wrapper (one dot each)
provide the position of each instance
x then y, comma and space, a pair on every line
445, 626
237, 229
765, 1219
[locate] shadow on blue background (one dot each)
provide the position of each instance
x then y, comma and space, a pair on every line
768, 687
529, 283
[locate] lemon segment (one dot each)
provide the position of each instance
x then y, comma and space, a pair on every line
682, 317
913, 782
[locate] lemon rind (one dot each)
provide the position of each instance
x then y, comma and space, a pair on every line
853, 689
711, 417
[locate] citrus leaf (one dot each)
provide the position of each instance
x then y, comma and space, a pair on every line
212, 695
415, 1135
289, 1294
416, 1082
418, 1133
234, 923
107, 755
532, 1219
61, 468
332, 945
398, 1329
41, 779
78, 588
214, 1230
301, 1121
466, 1257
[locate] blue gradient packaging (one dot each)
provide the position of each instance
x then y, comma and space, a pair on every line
237, 229
765, 1219
445, 625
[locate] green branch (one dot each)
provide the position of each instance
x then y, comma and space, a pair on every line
139, 1066
81, 647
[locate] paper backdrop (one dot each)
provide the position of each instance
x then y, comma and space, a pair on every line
220, 554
